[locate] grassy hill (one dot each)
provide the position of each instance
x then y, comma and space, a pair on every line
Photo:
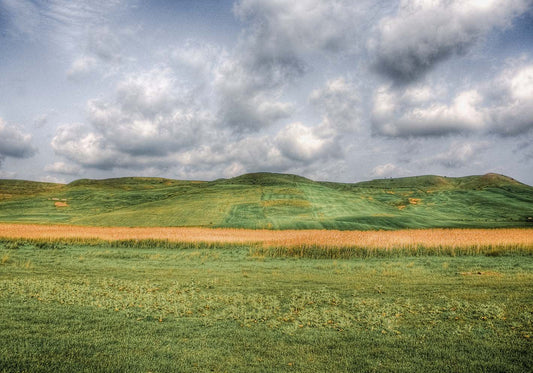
273, 201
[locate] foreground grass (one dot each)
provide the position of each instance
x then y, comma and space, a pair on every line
101, 308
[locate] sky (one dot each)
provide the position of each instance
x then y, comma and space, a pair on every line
335, 90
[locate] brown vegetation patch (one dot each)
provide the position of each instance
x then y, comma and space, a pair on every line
414, 201
473, 239
482, 273
60, 204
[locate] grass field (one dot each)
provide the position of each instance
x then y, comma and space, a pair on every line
79, 307
299, 243
273, 201
158, 275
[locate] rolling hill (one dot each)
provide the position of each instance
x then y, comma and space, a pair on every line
273, 201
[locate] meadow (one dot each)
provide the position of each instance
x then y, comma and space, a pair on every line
267, 272
162, 306
273, 201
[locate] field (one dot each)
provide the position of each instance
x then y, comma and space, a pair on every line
94, 307
267, 272
116, 300
303, 243
273, 201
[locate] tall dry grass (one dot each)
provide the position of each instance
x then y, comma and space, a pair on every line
383, 240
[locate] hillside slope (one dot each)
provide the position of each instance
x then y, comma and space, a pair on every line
273, 201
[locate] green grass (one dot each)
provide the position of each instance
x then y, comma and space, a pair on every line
151, 307
274, 201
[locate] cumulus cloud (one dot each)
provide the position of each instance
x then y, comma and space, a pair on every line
14, 143
249, 94
295, 145
302, 143
502, 106
248, 100
62, 168
86, 148
340, 104
387, 170
286, 27
102, 49
510, 101
81, 66
150, 117
396, 114
270, 55
423, 33
460, 154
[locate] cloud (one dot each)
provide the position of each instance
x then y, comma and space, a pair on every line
272, 53
150, 117
14, 143
460, 154
247, 104
387, 170
510, 101
283, 27
63, 168
249, 94
81, 66
339, 102
423, 33
88, 149
19, 17
60, 21
503, 106
396, 114
102, 50
305, 144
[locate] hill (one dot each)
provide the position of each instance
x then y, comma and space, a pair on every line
273, 201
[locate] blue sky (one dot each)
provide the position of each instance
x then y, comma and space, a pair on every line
337, 90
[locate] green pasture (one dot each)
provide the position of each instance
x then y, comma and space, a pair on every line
148, 308
274, 201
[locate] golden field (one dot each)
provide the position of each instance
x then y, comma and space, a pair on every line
428, 238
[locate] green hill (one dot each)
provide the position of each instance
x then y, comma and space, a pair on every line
274, 201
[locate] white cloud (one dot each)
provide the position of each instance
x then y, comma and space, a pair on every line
422, 33
510, 99
15, 143
302, 143
248, 95
283, 27
88, 149
387, 170
82, 65
63, 168
271, 55
51, 179
396, 114
503, 106
340, 104
460, 154
150, 117
7, 174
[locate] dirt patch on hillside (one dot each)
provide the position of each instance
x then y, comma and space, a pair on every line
482, 273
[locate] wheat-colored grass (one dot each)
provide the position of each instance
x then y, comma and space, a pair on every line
451, 238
